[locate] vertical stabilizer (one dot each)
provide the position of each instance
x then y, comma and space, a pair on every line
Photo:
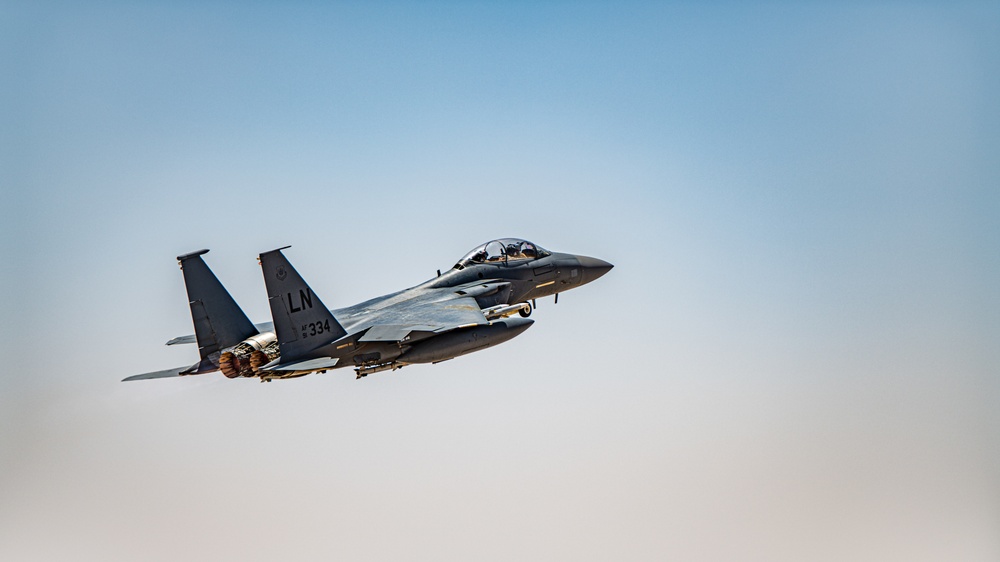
218, 321
301, 321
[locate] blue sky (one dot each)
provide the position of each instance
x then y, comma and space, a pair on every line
794, 358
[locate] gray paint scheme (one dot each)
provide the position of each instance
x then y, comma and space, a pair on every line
460, 311
219, 322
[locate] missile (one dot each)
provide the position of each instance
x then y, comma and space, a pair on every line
503, 311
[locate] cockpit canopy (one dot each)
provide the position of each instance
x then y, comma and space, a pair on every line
503, 251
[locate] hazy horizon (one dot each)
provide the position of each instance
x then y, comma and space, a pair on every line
794, 358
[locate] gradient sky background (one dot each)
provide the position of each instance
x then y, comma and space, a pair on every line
795, 358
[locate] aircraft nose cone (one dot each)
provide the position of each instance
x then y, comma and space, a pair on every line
593, 268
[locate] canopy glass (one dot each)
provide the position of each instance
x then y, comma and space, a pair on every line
503, 251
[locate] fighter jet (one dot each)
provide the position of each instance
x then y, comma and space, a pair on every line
484, 300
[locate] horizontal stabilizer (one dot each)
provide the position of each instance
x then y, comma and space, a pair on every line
175, 372
306, 365
191, 338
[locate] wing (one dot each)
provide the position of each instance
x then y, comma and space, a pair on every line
424, 317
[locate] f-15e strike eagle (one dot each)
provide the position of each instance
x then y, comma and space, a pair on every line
484, 300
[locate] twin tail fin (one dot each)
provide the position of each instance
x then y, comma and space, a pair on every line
218, 321
302, 322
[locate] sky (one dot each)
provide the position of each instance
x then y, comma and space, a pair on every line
795, 357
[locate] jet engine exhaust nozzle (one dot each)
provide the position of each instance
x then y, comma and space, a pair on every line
245, 358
